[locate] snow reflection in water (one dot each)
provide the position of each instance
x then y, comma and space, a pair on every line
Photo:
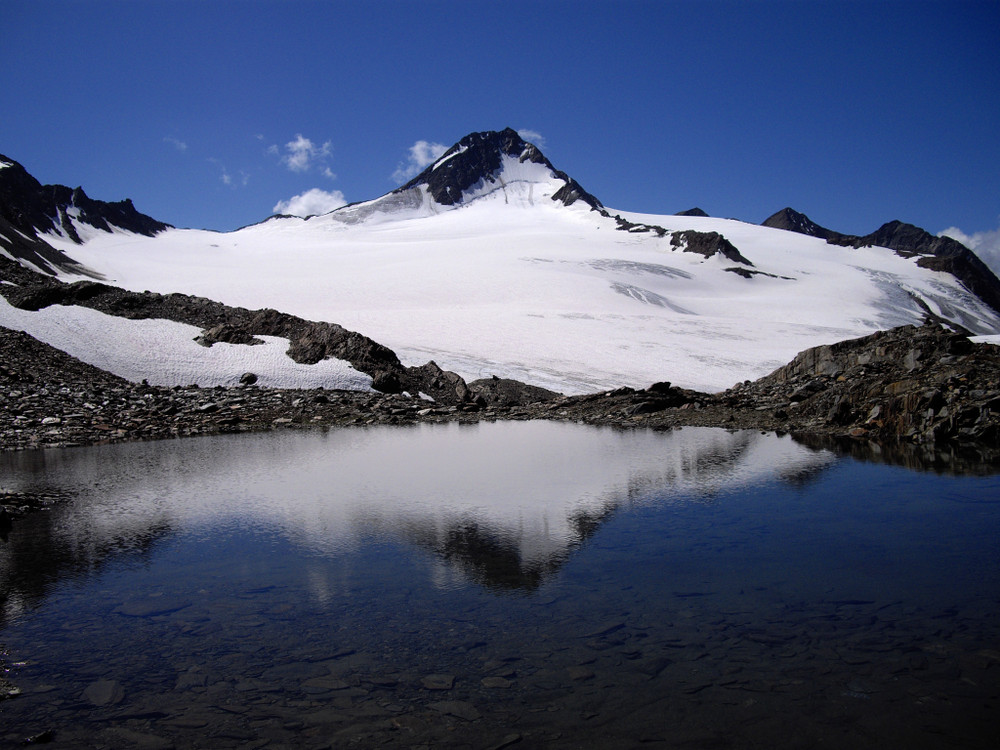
304, 587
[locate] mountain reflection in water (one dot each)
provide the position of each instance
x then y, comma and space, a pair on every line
503, 504
457, 586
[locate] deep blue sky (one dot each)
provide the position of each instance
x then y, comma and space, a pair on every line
855, 113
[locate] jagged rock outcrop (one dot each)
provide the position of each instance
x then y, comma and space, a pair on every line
936, 253
32, 207
29, 209
922, 384
909, 241
707, 244
478, 158
309, 341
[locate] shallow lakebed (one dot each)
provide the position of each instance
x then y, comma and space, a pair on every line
522, 583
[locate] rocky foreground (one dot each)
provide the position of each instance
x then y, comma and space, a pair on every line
925, 387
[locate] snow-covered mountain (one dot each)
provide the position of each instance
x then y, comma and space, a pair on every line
493, 262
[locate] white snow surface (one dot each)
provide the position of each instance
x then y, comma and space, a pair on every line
513, 284
164, 352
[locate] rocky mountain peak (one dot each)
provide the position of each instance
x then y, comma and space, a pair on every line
478, 158
791, 220
34, 210
32, 207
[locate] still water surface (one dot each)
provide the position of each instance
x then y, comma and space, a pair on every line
528, 584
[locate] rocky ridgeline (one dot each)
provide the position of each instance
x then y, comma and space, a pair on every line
922, 386
910, 386
49, 399
309, 341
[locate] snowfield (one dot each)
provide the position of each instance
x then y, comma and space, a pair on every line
163, 352
513, 284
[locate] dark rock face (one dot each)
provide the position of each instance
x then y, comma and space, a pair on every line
477, 158
31, 208
36, 251
920, 384
909, 241
793, 221
692, 212
708, 244
935, 253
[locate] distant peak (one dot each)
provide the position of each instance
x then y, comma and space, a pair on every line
479, 158
791, 220
692, 212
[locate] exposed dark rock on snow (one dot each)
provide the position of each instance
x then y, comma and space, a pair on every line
692, 212
909, 241
792, 221
928, 391
309, 341
28, 208
747, 273
477, 158
689, 240
936, 253
707, 244
32, 249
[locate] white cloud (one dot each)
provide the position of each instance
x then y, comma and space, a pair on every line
302, 152
422, 155
532, 136
176, 143
311, 203
984, 244
329, 173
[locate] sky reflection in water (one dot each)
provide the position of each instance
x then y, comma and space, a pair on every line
719, 578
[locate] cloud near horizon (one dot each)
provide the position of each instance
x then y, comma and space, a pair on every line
986, 244
422, 155
311, 203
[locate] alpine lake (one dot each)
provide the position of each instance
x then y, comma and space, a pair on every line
521, 584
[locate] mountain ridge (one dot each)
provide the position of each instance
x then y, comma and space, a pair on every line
28, 208
908, 241
507, 281
478, 158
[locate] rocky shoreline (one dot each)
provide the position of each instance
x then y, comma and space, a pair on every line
925, 387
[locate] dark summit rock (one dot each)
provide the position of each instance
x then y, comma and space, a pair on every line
28, 209
478, 158
692, 212
31, 207
791, 220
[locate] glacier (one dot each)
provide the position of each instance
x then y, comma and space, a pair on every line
513, 281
